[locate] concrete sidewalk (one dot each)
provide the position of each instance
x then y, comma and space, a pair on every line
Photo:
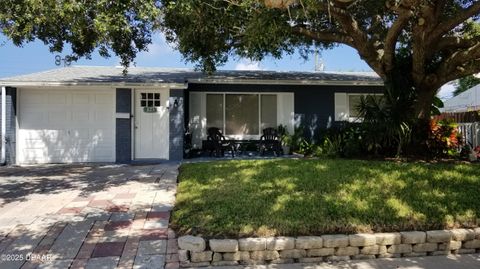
471, 261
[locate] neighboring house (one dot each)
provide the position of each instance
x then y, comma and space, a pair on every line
95, 114
467, 101
464, 109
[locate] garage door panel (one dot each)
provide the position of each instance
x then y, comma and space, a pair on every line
55, 98
62, 126
32, 98
59, 118
81, 134
102, 99
81, 116
100, 115
81, 99
34, 156
32, 143
33, 118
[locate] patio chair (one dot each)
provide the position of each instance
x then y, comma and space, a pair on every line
187, 145
270, 141
217, 143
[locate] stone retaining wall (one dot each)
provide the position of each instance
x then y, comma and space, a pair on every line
196, 251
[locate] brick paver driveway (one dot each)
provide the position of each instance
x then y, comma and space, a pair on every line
87, 216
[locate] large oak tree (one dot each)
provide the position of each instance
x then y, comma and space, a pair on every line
123, 27
414, 45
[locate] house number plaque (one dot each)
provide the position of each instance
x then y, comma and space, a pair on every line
149, 109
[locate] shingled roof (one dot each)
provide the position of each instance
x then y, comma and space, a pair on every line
82, 75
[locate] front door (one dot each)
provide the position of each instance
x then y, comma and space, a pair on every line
151, 124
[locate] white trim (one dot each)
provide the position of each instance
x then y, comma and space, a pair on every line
18, 106
286, 82
224, 107
280, 107
132, 123
199, 81
180, 86
114, 127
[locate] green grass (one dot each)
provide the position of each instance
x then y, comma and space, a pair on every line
311, 197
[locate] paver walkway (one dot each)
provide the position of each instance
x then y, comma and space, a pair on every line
87, 216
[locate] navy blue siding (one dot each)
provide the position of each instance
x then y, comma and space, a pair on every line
177, 130
123, 139
11, 131
313, 105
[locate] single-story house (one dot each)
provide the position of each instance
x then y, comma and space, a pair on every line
96, 114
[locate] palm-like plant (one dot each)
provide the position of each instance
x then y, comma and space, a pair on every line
387, 121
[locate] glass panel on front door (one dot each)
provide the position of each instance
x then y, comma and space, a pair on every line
150, 101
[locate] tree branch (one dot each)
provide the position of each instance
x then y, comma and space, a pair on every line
471, 68
454, 43
393, 34
360, 40
459, 64
323, 36
456, 20
425, 22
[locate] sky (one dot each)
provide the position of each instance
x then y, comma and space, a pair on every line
35, 56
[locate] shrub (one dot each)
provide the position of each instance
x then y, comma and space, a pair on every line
444, 139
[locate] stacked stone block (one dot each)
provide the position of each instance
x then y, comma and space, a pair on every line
196, 251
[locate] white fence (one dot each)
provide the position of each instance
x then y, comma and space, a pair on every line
470, 133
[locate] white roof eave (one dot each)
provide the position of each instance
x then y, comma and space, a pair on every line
286, 82
103, 84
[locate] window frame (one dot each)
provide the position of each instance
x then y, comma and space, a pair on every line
357, 119
243, 136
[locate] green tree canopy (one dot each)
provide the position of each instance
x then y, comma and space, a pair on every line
411, 44
465, 83
123, 27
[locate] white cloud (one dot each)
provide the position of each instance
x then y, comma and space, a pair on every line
159, 46
248, 65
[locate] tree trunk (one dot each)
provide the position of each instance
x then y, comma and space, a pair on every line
423, 104
421, 127
411, 105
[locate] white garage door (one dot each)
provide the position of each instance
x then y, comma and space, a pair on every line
64, 126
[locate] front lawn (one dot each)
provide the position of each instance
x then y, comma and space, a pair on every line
306, 197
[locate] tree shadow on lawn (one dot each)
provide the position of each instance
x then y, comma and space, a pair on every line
305, 197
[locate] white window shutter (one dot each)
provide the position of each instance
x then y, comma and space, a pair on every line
341, 106
285, 110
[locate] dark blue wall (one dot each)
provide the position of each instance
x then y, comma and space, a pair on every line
176, 129
11, 131
123, 138
313, 105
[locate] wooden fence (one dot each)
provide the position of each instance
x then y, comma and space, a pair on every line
461, 117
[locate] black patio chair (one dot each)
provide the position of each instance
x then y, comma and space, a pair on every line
217, 143
270, 141
187, 145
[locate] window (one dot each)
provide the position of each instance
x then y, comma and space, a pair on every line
269, 111
354, 101
215, 110
150, 99
242, 113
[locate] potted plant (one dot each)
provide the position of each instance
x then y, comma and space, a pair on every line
285, 139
